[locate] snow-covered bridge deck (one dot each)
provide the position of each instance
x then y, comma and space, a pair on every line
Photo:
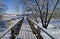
25, 32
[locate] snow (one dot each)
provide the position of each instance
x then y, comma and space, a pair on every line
4, 28
53, 29
49, 26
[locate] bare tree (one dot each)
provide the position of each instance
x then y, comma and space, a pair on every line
16, 6
43, 7
3, 8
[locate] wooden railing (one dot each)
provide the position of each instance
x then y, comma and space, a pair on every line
19, 22
37, 31
13, 19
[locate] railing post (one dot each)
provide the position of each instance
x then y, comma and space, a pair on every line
14, 32
38, 30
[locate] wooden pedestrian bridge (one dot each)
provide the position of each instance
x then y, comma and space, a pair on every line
26, 28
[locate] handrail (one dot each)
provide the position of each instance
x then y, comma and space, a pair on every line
43, 29
35, 31
14, 18
6, 31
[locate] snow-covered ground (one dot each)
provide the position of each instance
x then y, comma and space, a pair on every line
53, 29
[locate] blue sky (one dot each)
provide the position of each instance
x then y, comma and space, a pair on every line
10, 7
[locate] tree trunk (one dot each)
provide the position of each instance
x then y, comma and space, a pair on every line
45, 26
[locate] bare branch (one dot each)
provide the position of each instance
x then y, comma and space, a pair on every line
52, 12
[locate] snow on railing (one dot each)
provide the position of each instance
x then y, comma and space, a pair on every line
6, 31
43, 29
